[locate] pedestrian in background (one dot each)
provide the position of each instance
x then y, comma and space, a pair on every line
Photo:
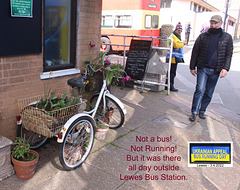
177, 54
204, 28
211, 55
187, 32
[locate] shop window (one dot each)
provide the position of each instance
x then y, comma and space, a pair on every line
199, 8
195, 7
59, 34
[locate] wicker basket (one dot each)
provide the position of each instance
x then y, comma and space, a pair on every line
46, 123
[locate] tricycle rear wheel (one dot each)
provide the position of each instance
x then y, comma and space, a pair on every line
35, 140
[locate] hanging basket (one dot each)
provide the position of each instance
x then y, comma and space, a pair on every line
46, 123
95, 82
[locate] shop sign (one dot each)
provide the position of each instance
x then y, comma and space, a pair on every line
21, 8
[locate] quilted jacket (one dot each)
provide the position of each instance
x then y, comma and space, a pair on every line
225, 50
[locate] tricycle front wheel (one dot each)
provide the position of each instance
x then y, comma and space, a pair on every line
77, 143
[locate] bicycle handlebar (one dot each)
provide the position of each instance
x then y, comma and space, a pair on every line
88, 65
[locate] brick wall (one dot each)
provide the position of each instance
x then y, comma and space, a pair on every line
89, 28
20, 75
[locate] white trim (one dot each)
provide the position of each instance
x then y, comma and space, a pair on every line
60, 73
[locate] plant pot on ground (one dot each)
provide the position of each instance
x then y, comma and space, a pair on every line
24, 159
101, 130
103, 124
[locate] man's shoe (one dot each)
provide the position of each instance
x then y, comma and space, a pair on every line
202, 115
192, 117
173, 89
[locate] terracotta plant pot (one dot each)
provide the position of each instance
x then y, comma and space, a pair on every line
101, 133
25, 169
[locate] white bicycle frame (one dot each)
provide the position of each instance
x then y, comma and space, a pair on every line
91, 114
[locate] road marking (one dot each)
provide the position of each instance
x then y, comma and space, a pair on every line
216, 99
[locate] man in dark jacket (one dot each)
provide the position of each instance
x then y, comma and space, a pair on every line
211, 54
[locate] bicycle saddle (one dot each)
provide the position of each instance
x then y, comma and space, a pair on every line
76, 82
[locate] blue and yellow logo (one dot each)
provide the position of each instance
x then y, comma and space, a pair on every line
210, 154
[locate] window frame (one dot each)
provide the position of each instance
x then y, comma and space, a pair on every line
154, 21
146, 27
166, 3
103, 21
73, 28
117, 20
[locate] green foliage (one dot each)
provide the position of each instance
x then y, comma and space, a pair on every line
110, 70
60, 103
53, 102
101, 125
114, 70
21, 151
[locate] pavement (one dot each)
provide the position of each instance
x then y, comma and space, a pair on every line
154, 119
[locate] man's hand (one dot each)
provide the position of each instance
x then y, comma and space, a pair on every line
223, 73
193, 72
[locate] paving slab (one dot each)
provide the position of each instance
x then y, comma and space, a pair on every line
119, 157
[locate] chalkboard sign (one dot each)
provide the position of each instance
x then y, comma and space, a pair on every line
138, 58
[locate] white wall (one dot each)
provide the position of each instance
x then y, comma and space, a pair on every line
180, 12
204, 17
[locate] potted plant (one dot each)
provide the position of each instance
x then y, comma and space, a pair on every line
24, 159
50, 112
103, 124
109, 70
101, 130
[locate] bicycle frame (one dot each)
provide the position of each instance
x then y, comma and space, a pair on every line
91, 114
102, 93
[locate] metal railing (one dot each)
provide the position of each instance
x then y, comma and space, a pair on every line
169, 48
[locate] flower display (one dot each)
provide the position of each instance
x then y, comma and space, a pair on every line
91, 45
107, 63
110, 70
126, 79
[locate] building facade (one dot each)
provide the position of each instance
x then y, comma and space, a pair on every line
54, 38
197, 12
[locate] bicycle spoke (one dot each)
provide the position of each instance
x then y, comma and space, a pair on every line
77, 144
